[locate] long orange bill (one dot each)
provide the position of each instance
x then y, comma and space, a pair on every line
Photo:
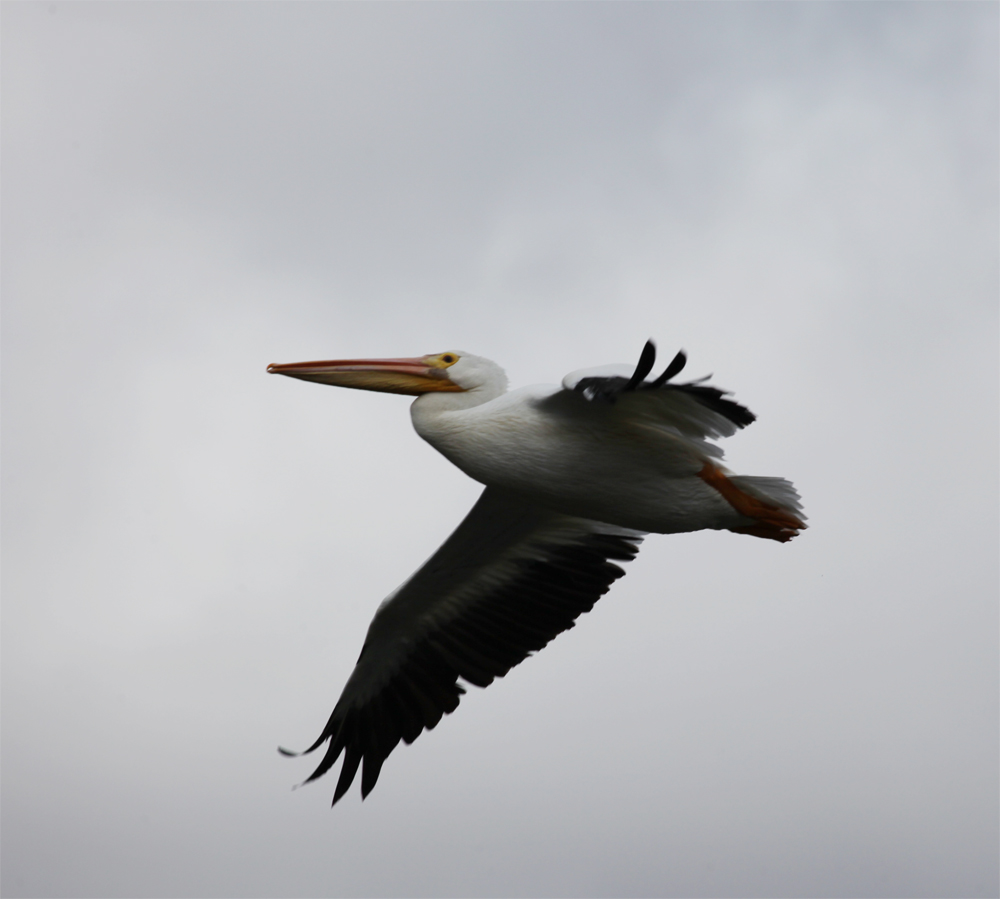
408, 376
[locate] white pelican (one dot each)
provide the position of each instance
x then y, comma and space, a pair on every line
575, 476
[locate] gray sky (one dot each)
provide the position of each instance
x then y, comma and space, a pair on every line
803, 196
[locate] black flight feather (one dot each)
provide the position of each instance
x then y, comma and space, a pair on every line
675, 367
645, 365
492, 635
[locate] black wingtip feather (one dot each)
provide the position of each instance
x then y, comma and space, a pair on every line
647, 358
352, 760
675, 367
369, 774
716, 400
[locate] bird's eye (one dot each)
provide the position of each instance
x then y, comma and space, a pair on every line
449, 359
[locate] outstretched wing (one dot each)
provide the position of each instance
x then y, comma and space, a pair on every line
694, 409
508, 580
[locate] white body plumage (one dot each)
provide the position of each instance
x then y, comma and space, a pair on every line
555, 448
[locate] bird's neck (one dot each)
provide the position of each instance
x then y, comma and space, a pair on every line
443, 419
434, 403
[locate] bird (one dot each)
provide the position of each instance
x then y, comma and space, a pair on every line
575, 477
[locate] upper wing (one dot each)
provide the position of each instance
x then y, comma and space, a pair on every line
509, 579
693, 409
694, 412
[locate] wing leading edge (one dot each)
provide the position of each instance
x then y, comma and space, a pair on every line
508, 580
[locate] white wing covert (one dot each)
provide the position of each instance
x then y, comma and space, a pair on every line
510, 578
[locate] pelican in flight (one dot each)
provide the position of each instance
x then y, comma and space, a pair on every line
575, 477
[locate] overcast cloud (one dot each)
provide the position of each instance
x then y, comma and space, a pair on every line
803, 196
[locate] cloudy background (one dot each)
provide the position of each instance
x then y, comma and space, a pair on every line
804, 196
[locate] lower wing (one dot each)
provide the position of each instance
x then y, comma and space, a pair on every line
508, 580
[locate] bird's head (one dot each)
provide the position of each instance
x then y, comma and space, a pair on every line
452, 372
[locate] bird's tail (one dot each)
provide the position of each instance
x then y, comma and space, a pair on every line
777, 511
771, 504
